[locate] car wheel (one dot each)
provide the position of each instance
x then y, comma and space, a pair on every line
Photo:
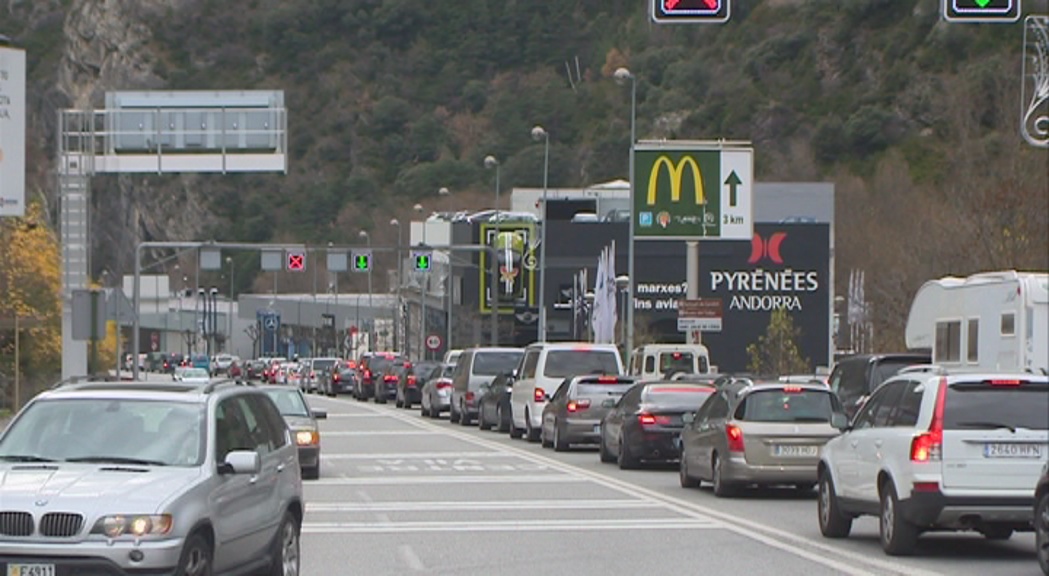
286, 548
626, 460
453, 416
722, 489
530, 432
398, 403
503, 423
560, 445
515, 432
464, 416
997, 532
482, 421
543, 441
833, 523
686, 480
898, 537
423, 410
406, 403
196, 557
603, 451
1041, 532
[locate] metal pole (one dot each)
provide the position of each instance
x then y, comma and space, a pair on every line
448, 322
229, 314
93, 366
313, 343
371, 311
692, 282
424, 288
633, 218
497, 205
542, 243
18, 375
337, 326
397, 309
494, 283
136, 296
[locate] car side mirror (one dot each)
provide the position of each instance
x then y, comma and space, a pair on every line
688, 417
839, 421
320, 414
241, 462
609, 403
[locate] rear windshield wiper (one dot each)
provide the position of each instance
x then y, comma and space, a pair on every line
810, 419
116, 460
24, 458
988, 425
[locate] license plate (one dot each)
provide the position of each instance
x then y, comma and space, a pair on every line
597, 428
792, 451
30, 570
1010, 450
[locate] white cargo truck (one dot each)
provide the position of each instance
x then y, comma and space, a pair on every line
993, 321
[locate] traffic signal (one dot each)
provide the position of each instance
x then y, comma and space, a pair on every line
423, 260
981, 10
296, 261
691, 11
362, 261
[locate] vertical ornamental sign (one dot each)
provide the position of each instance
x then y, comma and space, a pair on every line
12, 131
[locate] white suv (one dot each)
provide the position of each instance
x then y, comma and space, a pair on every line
932, 450
543, 368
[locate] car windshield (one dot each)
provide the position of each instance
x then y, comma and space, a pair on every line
786, 405
676, 362
495, 363
117, 431
565, 363
289, 401
379, 364
194, 373
684, 396
323, 364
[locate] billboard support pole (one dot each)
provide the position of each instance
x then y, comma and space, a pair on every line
692, 282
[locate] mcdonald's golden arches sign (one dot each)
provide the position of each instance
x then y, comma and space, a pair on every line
691, 192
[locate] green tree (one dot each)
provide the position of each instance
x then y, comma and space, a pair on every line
777, 351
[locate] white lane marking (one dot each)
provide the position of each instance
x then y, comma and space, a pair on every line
565, 504
508, 525
375, 433
416, 455
368, 415
422, 479
381, 516
774, 537
411, 558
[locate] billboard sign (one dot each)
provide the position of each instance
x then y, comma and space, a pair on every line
515, 244
12, 131
689, 191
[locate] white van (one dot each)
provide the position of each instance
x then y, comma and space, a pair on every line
657, 361
992, 322
544, 366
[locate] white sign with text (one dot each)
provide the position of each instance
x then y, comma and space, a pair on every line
12, 131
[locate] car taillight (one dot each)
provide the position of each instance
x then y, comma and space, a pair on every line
411, 381
646, 419
335, 377
312, 374
443, 385
928, 446
540, 395
389, 378
791, 389
578, 405
469, 396
1004, 382
734, 434
367, 374
607, 379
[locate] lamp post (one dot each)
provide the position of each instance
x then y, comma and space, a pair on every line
336, 327
363, 234
538, 133
229, 313
424, 284
400, 271
444, 192
489, 163
621, 76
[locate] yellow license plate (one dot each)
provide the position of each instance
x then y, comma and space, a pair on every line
30, 570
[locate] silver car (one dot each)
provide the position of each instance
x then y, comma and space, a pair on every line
149, 477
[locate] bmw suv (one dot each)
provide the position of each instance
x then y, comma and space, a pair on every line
933, 450
149, 478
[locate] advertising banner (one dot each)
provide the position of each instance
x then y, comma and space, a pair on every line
12, 131
517, 258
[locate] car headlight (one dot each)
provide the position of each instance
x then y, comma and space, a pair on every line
137, 525
307, 437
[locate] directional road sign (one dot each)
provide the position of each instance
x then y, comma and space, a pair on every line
423, 260
692, 191
361, 260
691, 11
296, 260
989, 11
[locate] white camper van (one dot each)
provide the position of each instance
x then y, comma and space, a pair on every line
993, 321
656, 361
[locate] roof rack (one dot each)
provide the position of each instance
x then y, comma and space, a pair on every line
210, 386
84, 378
924, 368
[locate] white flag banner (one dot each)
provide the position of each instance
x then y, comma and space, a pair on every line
596, 311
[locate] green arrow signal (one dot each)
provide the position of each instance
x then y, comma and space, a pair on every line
361, 262
422, 262
982, 3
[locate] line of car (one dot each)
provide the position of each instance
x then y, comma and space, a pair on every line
926, 449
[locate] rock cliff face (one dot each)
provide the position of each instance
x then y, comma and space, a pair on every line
108, 47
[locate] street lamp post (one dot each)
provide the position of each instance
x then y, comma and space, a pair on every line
229, 313
400, 270
367, 238
621, 75
538, 132
489, 163
336, 327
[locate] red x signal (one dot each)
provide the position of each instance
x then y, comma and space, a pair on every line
296, 262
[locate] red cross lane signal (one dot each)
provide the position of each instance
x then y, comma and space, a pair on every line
296, 261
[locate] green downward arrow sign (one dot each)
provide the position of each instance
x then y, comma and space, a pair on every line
732, 182
982, 3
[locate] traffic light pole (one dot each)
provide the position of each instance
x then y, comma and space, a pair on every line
143, 246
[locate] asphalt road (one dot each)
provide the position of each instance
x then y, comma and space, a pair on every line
400, 494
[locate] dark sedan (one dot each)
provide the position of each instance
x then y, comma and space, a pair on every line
647, 421
372, 367
410, 383
343, 378
303, 425
493, 407
574, 413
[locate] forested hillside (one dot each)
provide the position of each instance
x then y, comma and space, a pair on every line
914, 119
